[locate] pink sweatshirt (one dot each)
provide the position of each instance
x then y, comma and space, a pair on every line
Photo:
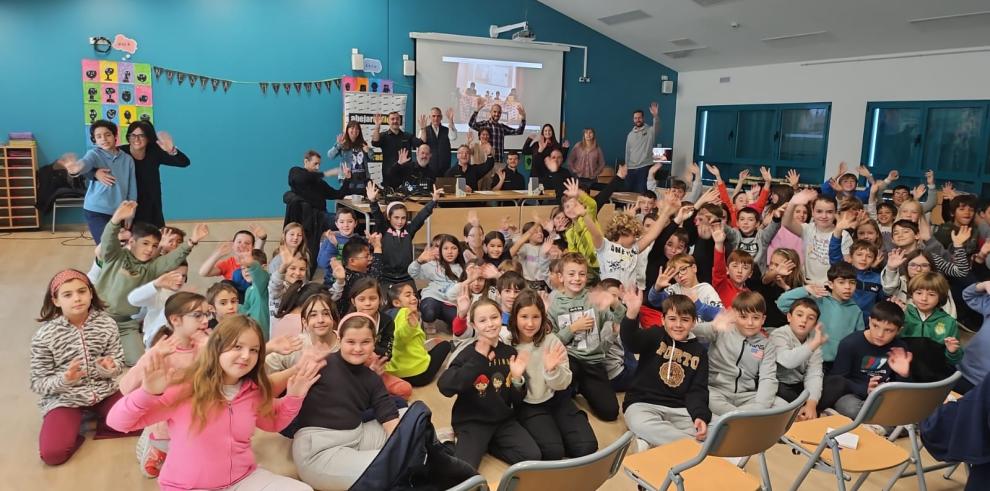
131, 381
217, 456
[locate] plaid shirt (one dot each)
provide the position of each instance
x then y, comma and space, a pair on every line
498, 130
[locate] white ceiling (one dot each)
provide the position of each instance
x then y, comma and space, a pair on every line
852, 28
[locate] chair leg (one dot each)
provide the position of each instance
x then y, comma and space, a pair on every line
812, 459
764, 472
54, 211
897, 475
949, 471
745, 460
860, 480
837, 466
916, 456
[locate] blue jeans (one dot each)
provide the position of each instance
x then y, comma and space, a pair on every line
96, 222
636, 180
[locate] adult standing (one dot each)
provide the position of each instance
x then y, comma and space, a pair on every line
438, 137
306, 201
354, 155
639, 148
539, 147
393, 140
497, 128
107, 188
586, 160
151, 150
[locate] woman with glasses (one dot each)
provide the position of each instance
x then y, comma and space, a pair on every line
902, 267
150, 150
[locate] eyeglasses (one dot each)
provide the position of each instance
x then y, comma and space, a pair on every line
135, 136
919, 266
198, 315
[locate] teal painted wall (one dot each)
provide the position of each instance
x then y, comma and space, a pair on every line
242, 143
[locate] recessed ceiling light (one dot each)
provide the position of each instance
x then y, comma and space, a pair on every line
624, 17
793, 36
683, 42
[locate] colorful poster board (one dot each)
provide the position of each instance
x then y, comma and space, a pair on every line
118, 92
363, 106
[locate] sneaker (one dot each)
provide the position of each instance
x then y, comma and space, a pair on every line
430, 328
446, 434
879, 430
152, 463
830, 412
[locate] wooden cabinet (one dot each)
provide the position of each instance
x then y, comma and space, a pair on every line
18, 189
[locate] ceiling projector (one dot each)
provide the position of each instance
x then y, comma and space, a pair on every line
525, 33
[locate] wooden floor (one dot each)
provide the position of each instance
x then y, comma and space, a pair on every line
29, 261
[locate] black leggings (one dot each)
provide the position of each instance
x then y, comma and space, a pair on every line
559, 427
591, 381
434, 310
437, 356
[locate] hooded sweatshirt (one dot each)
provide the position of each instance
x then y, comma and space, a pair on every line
440, 285
741, 364
670, 373
797, 363
588, 346
409, 355
839, 318
224, 442
926, 339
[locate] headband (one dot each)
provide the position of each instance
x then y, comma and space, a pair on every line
388, 208
65, 276
357, 314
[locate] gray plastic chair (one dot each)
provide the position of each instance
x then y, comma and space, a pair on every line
891, 404
583, 473
736, 434
476, 483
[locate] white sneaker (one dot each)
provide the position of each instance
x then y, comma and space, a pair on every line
830, 412
879, 430
641, 445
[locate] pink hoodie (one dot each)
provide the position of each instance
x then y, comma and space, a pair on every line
217, 456
181, 359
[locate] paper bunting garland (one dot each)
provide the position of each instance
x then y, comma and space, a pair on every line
277, 87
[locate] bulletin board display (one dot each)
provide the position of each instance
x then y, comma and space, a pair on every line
119, 92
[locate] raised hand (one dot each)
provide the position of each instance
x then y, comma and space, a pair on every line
377, 363
804, 196
948, 190
930, 177
70, 162
600, 299
743, 175
710, 196
654, 109
340, 138
422, 121
724, 321
816, 290
517, 365
895, 258
171, 280
258, 231
472, 218
74, 372
713, 170
899, 361
521, 110
463, 302
632, 297
371, 192
166, 346
430, 253
765, 174
124, 212
571, 188
919, 191
470, 138
843, 167
165, 141
846, 220
200, 231
694, 169
285, 344
437, 193
403, 156
554, 357
105, 177
479, 103
959, 237
899, 302
684, 213
337, 268
665, 278
304, 378
893, 176
157, 375
793, 178
375, 240
378, 119
786, 268
718, 235
489, 272
864, 171
820, 337
450, 114
223, 249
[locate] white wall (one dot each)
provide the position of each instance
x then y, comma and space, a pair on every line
848, 85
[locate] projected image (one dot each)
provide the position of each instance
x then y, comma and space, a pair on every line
496, 81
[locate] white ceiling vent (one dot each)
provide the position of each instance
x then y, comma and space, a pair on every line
683, 53
683, 42
624, 17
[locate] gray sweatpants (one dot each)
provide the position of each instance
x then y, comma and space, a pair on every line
659, 425
335, 459
849, 405
723, 402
